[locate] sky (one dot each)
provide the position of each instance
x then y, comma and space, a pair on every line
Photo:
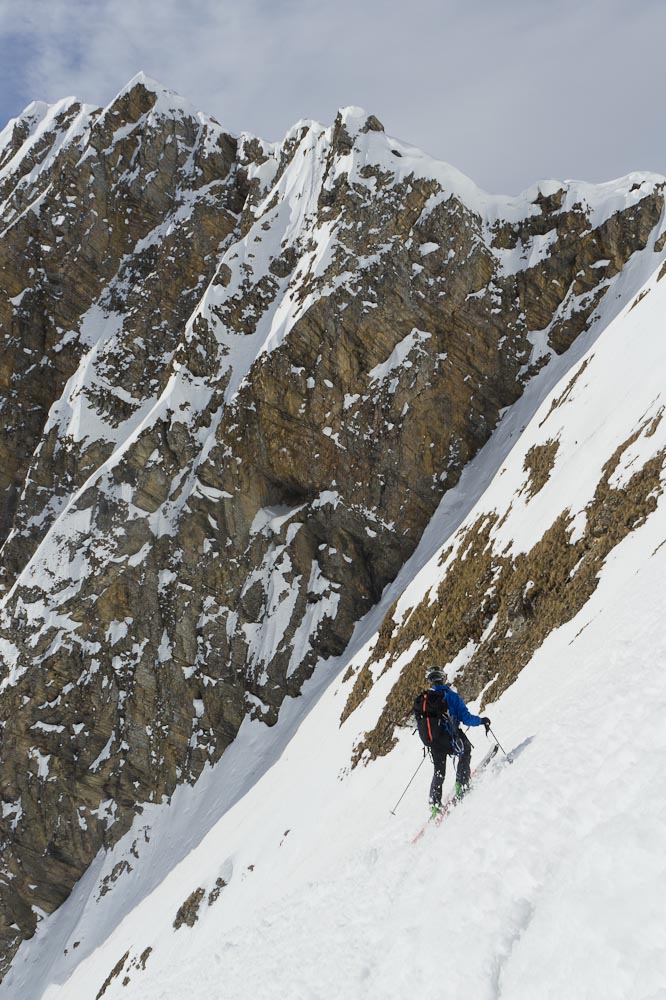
508, 91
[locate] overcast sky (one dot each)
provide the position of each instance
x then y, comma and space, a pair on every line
509, 91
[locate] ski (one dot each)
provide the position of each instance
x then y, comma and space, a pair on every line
451, 801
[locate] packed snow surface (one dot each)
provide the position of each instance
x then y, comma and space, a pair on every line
547, 882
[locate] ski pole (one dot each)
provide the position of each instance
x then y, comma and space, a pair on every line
510, 759
392, 811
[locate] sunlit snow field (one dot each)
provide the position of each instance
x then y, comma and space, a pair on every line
548, 883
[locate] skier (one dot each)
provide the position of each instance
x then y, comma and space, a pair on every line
447, 737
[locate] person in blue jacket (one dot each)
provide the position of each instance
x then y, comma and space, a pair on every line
456, 743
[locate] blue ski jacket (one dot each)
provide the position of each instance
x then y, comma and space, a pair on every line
458, 710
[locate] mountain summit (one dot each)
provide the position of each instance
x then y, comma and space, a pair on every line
241, 381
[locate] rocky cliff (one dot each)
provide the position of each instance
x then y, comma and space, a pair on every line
237, 379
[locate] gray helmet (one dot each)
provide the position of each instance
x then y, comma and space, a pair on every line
435, 675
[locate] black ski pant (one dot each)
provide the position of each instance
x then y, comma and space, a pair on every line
439, 753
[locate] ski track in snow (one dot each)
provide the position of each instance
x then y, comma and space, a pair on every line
547, 883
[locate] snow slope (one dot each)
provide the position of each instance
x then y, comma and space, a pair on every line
547, 883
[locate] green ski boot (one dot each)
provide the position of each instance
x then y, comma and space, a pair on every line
461, 790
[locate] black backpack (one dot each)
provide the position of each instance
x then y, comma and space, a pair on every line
432, 718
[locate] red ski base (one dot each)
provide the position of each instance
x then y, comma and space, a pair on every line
452, 800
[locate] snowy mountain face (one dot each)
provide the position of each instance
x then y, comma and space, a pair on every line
243, 388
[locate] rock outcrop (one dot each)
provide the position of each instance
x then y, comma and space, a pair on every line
237, 379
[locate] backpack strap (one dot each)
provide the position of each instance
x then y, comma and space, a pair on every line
427, 717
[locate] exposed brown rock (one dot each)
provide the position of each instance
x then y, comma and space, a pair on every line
211, 532
538, 464
115, 972
214, 893
188, 913
526, 597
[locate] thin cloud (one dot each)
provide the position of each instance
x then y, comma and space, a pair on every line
508, 91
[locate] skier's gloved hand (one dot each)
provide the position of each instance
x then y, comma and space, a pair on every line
486, 721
